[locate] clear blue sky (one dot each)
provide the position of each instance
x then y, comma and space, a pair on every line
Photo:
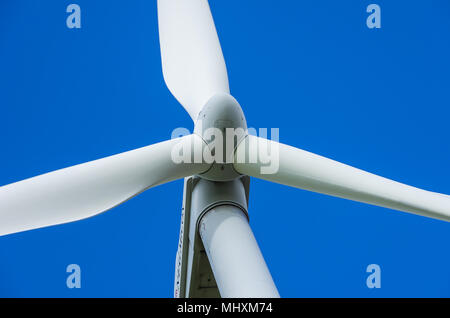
375, 99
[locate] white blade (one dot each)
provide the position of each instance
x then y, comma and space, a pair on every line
87, 189
302, 169
192, 60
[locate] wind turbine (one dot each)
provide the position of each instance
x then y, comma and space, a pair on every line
218, 254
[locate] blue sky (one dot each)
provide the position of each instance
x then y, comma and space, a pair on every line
375, 99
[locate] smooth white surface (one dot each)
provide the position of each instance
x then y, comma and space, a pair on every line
236, 260
305, 170
87, 189
192, 60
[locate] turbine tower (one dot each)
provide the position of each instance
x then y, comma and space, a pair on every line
217, 254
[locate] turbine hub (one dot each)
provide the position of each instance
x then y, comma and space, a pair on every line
222, 125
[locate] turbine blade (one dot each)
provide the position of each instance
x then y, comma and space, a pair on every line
192, 61
90, 188
301, 169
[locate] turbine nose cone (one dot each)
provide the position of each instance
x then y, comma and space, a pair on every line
221, 111
222, 125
